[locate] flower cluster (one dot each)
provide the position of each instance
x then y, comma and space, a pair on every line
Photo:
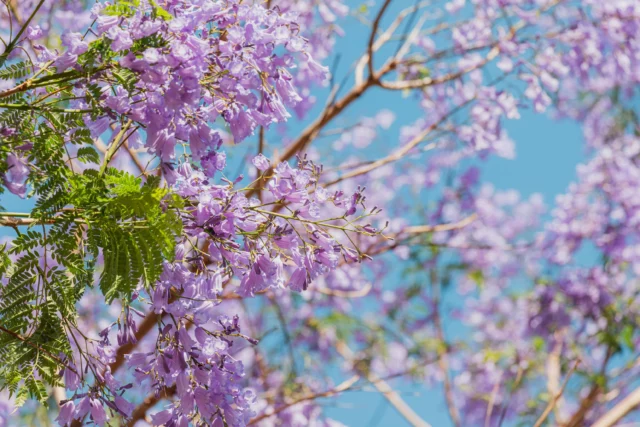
258, 245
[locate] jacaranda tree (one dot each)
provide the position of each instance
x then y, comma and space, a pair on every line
211, 237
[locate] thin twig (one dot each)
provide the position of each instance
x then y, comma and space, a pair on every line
383, 387
556, 397
32, 345
115, 145
346, 294
332, 392
577, 419
372, 37
553, 374
399, 153
492, 401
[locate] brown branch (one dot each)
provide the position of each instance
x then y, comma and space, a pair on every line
261, 140
399, 153
556, 397
144, 328
385, 389
337, 390
577, 419
430, 81
384, 38
420, 229
25, 85
330, 112
32, 345
140, 412
372, 37
443, 361
345, 294
17, 222
136, 159
314, 128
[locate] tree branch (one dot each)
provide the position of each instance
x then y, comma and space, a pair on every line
336, 390
385, 389
443, 361
556, 397
149, 402
114, 146
621, 409
372, 37
32, 345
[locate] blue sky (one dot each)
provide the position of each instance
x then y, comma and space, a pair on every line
547, 152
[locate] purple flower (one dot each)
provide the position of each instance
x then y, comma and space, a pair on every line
66, 414
74, 43
261, 162
124, 405
97, 412
34, 32
71, 378
16, 175
83, 408
121, 39
298, 281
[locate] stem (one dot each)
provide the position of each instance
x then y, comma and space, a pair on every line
16, 214
12, 43
344, 386
113, 148
443, 361
554, 400
28, 107
30, 344
27, 22
320, 223
383, 387
372, 37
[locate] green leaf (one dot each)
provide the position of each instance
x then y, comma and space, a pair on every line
626, 336
88, 155
16, 71
160, 12
538, 343
477, 276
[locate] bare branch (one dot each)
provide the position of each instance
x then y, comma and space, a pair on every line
336, 390
383, 387
385, 37
27, 341
429, 81
398, 154
443, 361
345, 294
149, 402
372, 37
553, 375
556, 397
